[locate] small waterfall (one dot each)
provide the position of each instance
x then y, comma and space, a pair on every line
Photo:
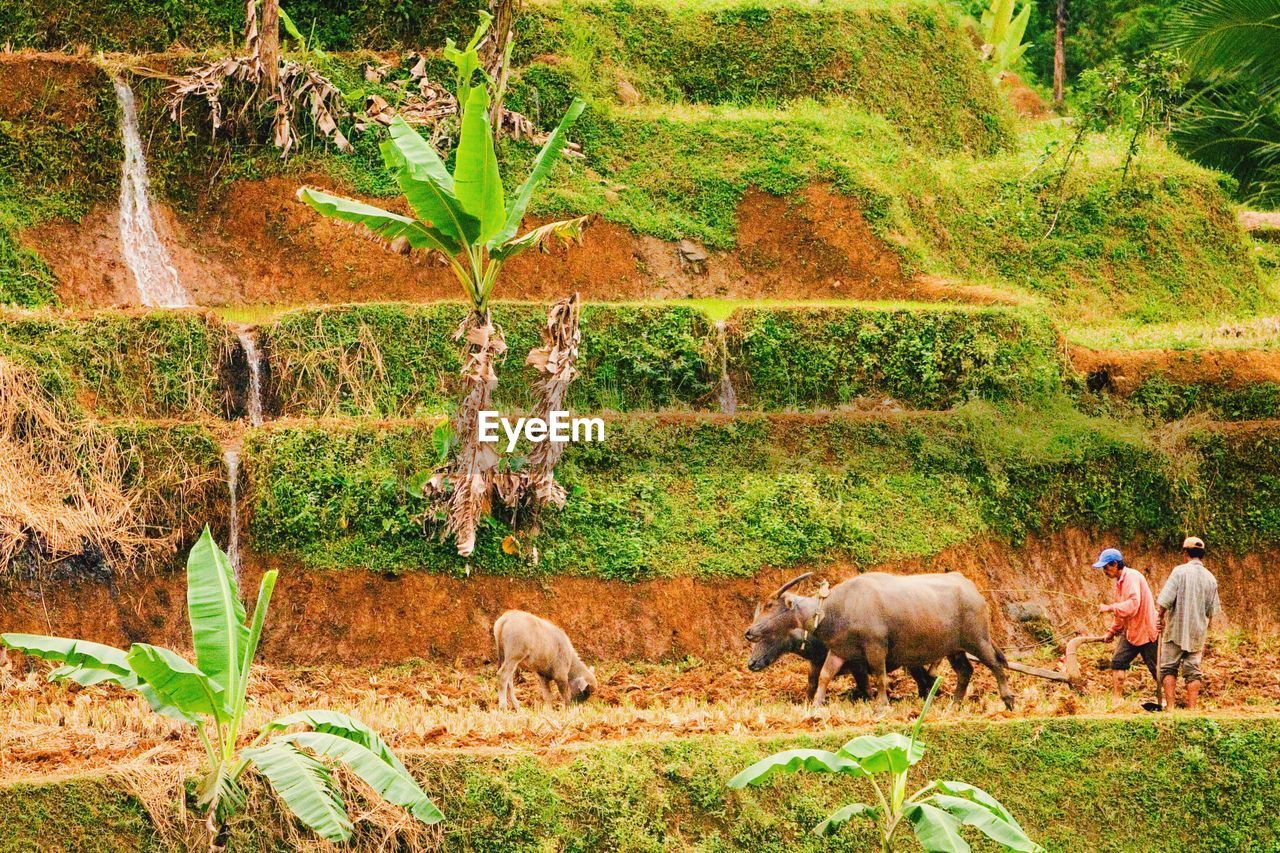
231, 456
145, 255
728, 396
253, 402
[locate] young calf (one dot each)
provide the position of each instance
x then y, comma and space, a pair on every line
538, 645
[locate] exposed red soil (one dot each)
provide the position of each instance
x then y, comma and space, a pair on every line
360, 617
1025, 101
260, 245
64, 86
1123, 371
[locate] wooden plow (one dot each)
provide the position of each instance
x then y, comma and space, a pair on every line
1068, 671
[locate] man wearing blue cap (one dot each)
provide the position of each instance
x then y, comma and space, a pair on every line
1134, 623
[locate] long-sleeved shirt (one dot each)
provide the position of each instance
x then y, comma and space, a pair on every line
1135, 609
1191, 597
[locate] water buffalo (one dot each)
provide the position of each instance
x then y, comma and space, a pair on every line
531, 642
797, 642
911, 620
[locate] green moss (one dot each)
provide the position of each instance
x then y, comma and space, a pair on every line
78, 815
909, 62
402, 360
1161, 397
1237, 479
159, 364
711, 498
1059, 777
59, 154
923, 358
152, 25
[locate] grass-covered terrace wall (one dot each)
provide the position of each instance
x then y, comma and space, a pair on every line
709, 496
117, 364
1058, 776
398, 360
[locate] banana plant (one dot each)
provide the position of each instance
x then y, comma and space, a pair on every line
465, 215
467, 218
1002, 34
935, 812
211, 695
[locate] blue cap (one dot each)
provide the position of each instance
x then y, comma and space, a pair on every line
1111, 555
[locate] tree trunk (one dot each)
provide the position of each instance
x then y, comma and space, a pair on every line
496, 56
1059, 54
472, 471
269, 48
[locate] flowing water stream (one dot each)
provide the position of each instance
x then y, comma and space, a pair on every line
231, 456
253, 402
728, 396
148, 260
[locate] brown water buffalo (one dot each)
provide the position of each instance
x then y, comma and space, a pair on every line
911, 620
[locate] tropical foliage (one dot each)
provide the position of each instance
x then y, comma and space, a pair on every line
1232, 122
466, 218
935, 812
211, 695
1002, 33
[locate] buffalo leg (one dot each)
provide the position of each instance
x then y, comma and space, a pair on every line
863, 688
506, 685
994, 660
877, 658
814, 670
829, 670
964, 671
924, 681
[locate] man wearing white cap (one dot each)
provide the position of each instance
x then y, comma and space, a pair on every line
1187, 603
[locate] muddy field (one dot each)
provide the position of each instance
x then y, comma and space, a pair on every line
56, 730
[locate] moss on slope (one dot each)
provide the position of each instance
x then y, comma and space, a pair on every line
160, 364
402, 360
907, 61
59, 153
710, 497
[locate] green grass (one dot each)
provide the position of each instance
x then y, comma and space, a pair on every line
909, 62
1061, 778
710, 498
159, 364
402, 360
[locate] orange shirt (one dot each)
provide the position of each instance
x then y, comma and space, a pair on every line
1135, 608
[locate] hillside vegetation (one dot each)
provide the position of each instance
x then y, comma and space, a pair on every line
689, 110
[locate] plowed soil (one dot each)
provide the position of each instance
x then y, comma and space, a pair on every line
55, 730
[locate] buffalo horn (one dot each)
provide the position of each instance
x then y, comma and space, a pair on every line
786, 586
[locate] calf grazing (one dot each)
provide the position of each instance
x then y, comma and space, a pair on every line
765, 652
525, 640
916, 618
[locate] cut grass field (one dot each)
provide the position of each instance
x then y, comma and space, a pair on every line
56, 730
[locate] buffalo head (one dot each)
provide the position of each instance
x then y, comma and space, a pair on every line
765, 652
774, 621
